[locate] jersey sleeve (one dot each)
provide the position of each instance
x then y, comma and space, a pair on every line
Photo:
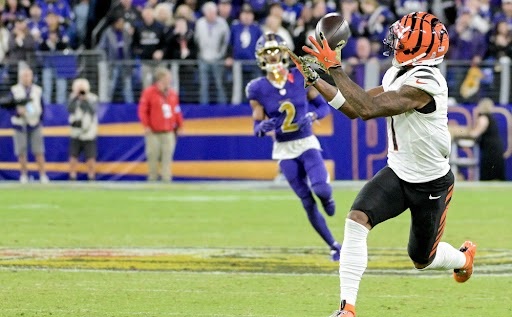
428, 80
251, 90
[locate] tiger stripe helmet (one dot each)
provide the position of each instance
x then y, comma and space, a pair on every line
418, 38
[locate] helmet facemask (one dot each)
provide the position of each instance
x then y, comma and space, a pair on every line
405, 43
273, 57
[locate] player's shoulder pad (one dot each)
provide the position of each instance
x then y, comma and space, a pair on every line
251, 88
426, 78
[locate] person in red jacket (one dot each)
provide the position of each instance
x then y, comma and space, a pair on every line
160, 114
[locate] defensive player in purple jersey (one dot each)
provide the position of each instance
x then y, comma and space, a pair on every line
281, 104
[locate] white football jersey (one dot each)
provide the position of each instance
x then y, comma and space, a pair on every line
418, 140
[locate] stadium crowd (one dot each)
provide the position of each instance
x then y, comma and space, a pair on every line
215, 34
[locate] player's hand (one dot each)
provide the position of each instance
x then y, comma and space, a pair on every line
325, 56
304, 66
307, 120
265, 126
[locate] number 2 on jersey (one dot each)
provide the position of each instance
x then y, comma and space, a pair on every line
288, 126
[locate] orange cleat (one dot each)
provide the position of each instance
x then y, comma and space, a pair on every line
343, 313
463, 274
346, 310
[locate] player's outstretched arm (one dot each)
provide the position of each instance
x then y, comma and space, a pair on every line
311, 78
372, 104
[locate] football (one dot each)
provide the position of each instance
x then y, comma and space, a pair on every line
335, 29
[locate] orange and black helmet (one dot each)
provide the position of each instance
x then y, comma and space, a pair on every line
418, 38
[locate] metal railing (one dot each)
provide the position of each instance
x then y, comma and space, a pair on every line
114, 81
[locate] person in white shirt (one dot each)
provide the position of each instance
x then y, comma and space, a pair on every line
27, 122
413, 97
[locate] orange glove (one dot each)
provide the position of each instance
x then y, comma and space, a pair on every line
326, 57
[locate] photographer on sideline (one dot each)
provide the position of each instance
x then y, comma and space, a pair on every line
26, 103
83, 119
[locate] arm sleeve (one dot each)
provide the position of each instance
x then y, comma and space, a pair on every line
250, 90
321, 107
143, 109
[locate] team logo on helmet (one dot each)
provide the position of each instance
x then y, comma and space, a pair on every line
418, 38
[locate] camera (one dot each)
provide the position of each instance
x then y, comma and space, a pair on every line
76, 124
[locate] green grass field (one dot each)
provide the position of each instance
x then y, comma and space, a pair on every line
229, 249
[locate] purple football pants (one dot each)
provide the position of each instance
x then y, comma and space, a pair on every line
310, 165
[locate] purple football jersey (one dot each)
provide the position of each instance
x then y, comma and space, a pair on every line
287, 104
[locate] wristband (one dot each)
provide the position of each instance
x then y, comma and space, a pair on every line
337, 101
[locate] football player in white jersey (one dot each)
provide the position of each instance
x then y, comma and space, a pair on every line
413, 97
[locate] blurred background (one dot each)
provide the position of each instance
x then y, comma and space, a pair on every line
115, 45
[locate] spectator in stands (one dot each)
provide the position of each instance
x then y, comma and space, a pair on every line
467, 43
4, 50
351, 13
259, 8
273, 25
81, 12
480, 20
11, 13
27, 123
404, 7
505, 14
179, 43
192, 4
292, 11
500, 43
148, 44
36, 23
485, 132
304, 27
130, 15
60, 7
355, 67
116, 42
374, 24
244, 35
25, 5
151, 3
184, 11
55, 42
161, 117
163, 15
22, 46
226, 10
212, 36
83, 119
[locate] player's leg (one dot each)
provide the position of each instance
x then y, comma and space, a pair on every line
429, 207
296, 177
319, 178
380, 199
